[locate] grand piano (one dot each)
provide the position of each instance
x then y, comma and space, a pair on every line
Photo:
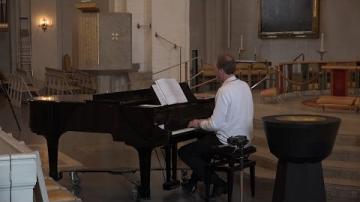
128, 116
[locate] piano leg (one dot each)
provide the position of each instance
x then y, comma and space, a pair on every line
145, 165
52, 145
167, 167
171, 182
174, 162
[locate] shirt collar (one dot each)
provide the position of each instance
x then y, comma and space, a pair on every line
230, 79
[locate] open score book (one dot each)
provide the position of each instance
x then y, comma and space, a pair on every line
169, 91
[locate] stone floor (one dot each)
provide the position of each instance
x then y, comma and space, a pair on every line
99, 151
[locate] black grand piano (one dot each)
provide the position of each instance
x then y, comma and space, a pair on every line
128, 116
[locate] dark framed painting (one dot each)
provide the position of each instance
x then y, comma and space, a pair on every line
289, 19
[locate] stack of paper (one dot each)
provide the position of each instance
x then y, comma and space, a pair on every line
169, 92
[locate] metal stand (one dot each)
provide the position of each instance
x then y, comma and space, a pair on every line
321, 52
242, 174
11, 106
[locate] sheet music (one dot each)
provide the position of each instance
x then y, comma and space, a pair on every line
171, 91
159, 94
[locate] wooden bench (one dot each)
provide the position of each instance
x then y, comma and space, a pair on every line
208, 72
270, 93
336, 102
357, 104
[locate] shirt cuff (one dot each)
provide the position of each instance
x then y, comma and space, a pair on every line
205, 124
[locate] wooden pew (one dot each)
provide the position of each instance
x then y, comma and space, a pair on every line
339, 102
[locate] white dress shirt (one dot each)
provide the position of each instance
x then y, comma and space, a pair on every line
233, 113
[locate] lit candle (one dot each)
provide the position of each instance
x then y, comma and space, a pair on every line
322, 42
241, 42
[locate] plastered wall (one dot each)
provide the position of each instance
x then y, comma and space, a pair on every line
170, 19
338, 22
45, 48
200, 25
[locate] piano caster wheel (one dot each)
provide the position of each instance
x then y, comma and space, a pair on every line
75, 179
76, 190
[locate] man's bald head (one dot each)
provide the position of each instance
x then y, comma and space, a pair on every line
227, 63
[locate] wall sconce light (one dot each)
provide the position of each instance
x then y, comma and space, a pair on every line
44, 23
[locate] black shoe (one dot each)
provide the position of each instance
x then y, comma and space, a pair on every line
189, 186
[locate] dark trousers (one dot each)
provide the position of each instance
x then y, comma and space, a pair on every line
197, 155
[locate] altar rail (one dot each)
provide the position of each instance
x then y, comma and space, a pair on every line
311, 75
59, 82
249, 71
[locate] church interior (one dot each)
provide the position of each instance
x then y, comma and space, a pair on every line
73, 74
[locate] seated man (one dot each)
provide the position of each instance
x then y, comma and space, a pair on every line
232, 116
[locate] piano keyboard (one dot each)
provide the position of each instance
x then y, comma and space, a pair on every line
175, 132
183, 130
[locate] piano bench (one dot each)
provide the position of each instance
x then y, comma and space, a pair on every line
229, 159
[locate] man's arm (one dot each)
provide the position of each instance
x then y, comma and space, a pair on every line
195, 123
217, 119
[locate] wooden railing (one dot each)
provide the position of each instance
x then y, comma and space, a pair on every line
309, 75
59, 82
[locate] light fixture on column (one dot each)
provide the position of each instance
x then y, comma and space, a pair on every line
44, 23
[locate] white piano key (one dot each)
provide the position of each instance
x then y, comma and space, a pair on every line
183, 130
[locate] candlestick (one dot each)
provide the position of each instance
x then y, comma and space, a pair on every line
239, 52
322, 42
321, 52
241, 42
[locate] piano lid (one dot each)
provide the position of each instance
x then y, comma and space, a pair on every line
143, 96
64, 98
